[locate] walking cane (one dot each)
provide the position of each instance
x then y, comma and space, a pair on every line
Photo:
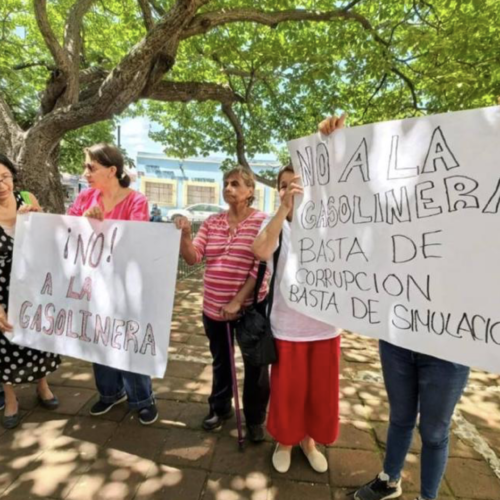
241, 441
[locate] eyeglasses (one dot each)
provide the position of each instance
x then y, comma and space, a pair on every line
6, 179
91, 168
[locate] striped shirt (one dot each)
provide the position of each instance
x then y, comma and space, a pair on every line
229, 260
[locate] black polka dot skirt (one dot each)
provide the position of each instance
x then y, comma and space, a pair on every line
18, 364
22, 364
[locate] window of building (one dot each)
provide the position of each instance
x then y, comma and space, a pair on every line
201, 179
152, 169
167, 174
201, 194
160, 192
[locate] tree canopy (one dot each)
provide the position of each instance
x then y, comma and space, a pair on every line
236, 76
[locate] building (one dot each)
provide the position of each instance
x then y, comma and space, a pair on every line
174, 183
72, 185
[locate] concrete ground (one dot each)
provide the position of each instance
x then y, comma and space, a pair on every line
68, 454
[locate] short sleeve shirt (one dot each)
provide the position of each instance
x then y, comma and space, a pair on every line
132, 207
229, 260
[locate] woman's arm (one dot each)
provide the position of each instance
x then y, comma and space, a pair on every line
230, 311
188, 250
267, 241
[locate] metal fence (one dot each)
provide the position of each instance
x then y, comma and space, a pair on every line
183, 270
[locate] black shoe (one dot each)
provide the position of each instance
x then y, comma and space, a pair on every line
48, 404
11, 421
2, 400
379, 489
101, 408
213, 421
256, 433
148, 415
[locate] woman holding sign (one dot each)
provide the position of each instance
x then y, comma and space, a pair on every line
416, 384
109, 197
225, 240
304, 405
17, 364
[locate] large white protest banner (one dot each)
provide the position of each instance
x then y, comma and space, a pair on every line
98, 291
397, 235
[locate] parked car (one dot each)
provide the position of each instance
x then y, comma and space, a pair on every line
197, 212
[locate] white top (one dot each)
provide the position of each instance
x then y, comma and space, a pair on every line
287, 323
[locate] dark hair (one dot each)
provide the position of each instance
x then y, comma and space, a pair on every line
286, 168
108, 156
9, 165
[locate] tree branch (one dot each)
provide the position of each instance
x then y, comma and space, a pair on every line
67, 57
202, 23
192, 91
375, 92
433, 10
72, 31
126, 82
147, 15
410, 85
136, 76
228, 110
73, 47
58, 122
265, 181
61, 58
21, 66
92, 75
54, 90
166, 91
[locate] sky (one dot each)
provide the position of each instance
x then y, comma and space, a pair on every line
134, 137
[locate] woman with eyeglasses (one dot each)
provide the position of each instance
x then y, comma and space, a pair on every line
110, 197
18, 364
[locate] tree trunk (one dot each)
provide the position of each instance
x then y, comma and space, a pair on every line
38, 172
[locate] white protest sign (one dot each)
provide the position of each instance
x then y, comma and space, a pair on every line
98, 291
397, 235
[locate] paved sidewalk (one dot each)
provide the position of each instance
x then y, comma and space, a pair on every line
68, 454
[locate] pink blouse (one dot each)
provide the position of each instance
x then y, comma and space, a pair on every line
229, 258
133, 207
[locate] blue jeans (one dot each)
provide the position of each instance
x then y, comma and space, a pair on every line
418, 382
113, 384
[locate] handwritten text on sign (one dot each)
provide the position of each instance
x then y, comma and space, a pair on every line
397, 235
102, 292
